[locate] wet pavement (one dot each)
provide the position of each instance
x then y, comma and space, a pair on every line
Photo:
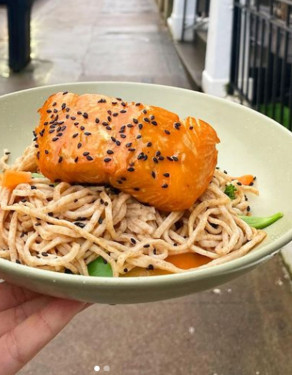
241, 328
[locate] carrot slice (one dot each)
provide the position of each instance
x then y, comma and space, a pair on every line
12, 178
246, 179
187, 260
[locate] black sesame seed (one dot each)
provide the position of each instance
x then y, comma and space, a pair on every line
167, 132
150, 267
63, 106
89, 158
106, 160
146, 245
131, 169
144, 111
79, 145
132, 149
55, 110
135, 121
248, 208
60, 159
45, 254
79, 224
97, 120
59, 134
118, 143
140, 126
123, 104
46, 152
136, 189
123, 136
108, 128
49, 111
164, 186
46, 123
109, 118
130, 126
140, 156
154, 123
100, 220
109, 152
38, 155
123, 111
146, 119
65, 92
36, 145
155, 160
82, 127
177, 125
33, 187
133, 240
115, 114
114, 103
153, 174
149, 144
175, 158
145, 157
137, 104
191, 127
113, 139
161, 157
125, 270
123, 179
55, 139
54, 104
139, 136
166, 174
76, 123
76, 159
51, 131
129, 144
158, 153
85, 115
87, 133
105, 123
86, 153
75, 135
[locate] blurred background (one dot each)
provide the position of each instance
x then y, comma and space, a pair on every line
240, 50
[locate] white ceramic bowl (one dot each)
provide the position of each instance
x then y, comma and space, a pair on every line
250, 143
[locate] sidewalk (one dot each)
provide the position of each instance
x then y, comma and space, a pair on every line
241, 328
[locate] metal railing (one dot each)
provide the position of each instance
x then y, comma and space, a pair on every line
200, 14
261, 61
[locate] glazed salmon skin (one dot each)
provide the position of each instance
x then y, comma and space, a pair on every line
142, 150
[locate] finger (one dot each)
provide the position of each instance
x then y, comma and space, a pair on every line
22, 343
10, 318
11, 295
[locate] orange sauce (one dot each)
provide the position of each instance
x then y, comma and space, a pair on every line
184, 261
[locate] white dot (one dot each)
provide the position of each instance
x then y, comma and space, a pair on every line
191, 330
96, 368
106, 368
217, 291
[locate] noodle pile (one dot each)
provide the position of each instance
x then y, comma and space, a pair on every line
63, 227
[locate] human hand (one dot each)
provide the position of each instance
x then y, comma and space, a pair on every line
28, 321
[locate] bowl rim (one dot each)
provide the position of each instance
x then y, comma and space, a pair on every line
253, 257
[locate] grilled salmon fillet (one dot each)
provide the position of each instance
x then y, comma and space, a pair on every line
142, 150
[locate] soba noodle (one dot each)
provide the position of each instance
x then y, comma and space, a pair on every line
65, 227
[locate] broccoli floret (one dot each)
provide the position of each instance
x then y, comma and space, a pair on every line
230, 191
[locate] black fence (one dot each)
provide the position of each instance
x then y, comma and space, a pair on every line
201, 11
261, 62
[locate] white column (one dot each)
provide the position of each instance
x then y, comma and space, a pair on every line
175, 21
218, 54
